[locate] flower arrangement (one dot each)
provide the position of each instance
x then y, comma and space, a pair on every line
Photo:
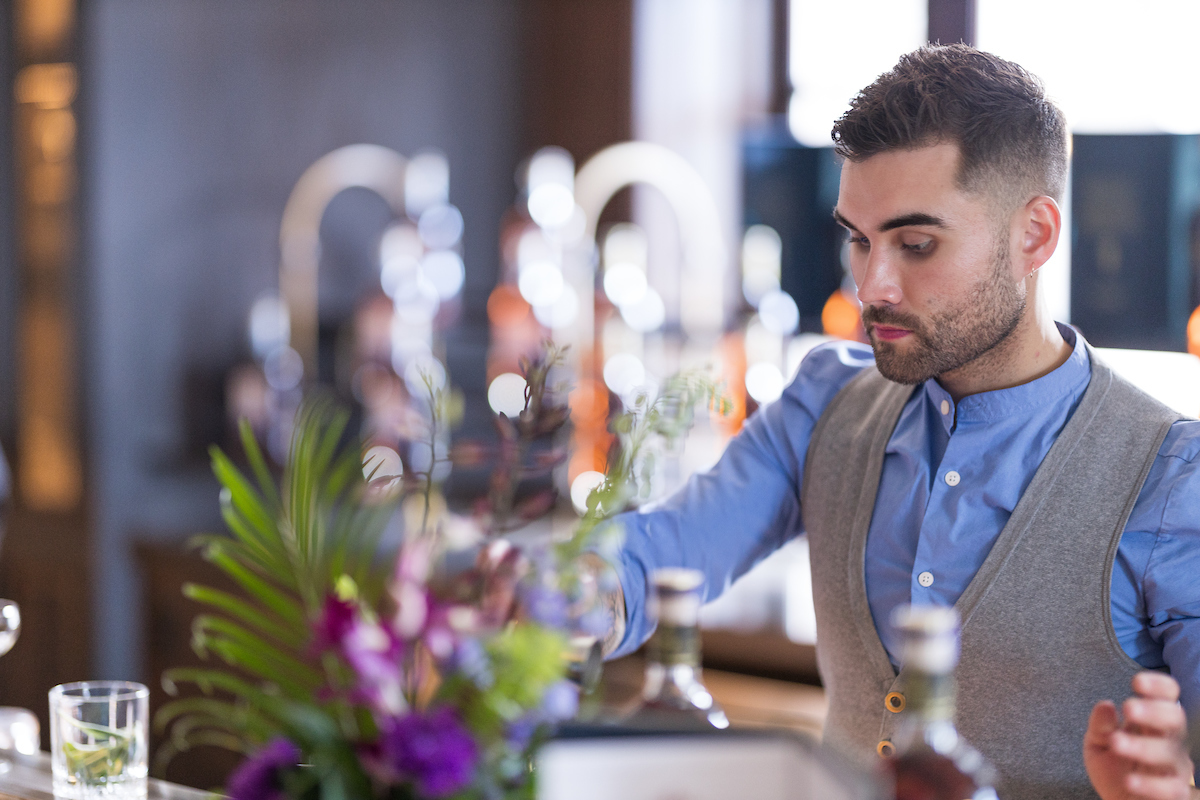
431, 673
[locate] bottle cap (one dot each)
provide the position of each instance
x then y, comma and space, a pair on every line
677, 594
930, 637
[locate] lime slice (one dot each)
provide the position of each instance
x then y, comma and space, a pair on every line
100, 762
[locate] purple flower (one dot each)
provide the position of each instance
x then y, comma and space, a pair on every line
257, 778
560, 701
374, 654
544, 605
433, 750
336, 620
471, 660
520, 730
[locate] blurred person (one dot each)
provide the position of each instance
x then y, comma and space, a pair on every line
977, 454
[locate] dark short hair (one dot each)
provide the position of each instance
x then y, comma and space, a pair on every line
1012, 140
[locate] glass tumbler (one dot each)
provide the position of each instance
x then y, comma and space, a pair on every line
99, 739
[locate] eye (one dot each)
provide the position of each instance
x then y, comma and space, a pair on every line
918, 247
858, 241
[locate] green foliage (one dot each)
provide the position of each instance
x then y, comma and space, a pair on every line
288, 547
649, 425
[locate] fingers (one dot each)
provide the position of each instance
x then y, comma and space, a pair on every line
1156, 686
1155, 752
1156, 787
1165, 717
1102, 724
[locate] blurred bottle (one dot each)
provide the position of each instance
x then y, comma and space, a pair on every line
674, 695
931, 760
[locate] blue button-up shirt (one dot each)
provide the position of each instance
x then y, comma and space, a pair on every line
952, 475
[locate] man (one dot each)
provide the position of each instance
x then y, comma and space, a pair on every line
977, 454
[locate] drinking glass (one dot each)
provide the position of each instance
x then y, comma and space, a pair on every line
19, 728
99, 739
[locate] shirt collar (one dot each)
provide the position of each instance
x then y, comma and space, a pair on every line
1069, 378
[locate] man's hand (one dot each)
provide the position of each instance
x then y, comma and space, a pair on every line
1143, 756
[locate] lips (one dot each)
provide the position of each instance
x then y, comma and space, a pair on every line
888, 333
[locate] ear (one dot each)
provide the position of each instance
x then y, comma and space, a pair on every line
1040, 225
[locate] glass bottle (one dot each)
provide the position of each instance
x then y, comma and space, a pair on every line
931, 761
674, 695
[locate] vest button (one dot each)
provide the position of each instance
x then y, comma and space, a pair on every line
894, 702
885, 749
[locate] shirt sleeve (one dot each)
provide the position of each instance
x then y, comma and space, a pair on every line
1171, 584
724, 521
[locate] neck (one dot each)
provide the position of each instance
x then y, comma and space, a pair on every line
1034, 348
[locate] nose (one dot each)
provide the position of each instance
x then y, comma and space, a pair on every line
876, 279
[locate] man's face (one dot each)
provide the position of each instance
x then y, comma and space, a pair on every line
931, 263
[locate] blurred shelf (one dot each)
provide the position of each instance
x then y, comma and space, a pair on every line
767, 654
749, 701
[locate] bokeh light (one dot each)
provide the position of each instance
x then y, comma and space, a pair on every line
551, 186
440, 226
422, 369
623, 373
506, 394
426, 182
647, 314
764, 382
778, 312
840, 316
381, 462
270, 325
540, 283
624, 283
562, 313
506, 307
762, 255
283, 369
445, 271
582, 487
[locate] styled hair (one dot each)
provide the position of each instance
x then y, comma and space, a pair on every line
1012, 140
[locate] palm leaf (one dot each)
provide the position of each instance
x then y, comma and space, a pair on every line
209, 631
269, 624
287, 546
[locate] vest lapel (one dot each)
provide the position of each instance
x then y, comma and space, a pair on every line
1036, 494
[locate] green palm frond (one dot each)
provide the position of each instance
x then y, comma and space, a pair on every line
287, 545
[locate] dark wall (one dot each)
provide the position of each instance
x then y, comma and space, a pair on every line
8, 263
198, 117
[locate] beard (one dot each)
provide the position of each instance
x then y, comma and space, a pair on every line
952, 337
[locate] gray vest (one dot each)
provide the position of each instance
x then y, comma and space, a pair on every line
1038, 647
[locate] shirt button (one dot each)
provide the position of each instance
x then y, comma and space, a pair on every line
925, 579
952, 478
945, 406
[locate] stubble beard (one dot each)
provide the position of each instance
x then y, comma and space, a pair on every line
954, 337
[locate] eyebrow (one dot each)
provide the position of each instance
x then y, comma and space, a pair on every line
917, 218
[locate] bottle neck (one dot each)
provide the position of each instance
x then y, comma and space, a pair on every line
674, 644
929, 712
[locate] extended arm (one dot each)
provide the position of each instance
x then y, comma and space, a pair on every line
722, 522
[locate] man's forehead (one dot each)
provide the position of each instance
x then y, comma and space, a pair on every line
900, 188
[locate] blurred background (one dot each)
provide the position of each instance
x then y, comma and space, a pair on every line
206, 206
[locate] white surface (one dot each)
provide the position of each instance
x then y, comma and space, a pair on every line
1171, 378
668, 768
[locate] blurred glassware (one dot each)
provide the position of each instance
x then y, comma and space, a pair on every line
10, 625
19, 729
